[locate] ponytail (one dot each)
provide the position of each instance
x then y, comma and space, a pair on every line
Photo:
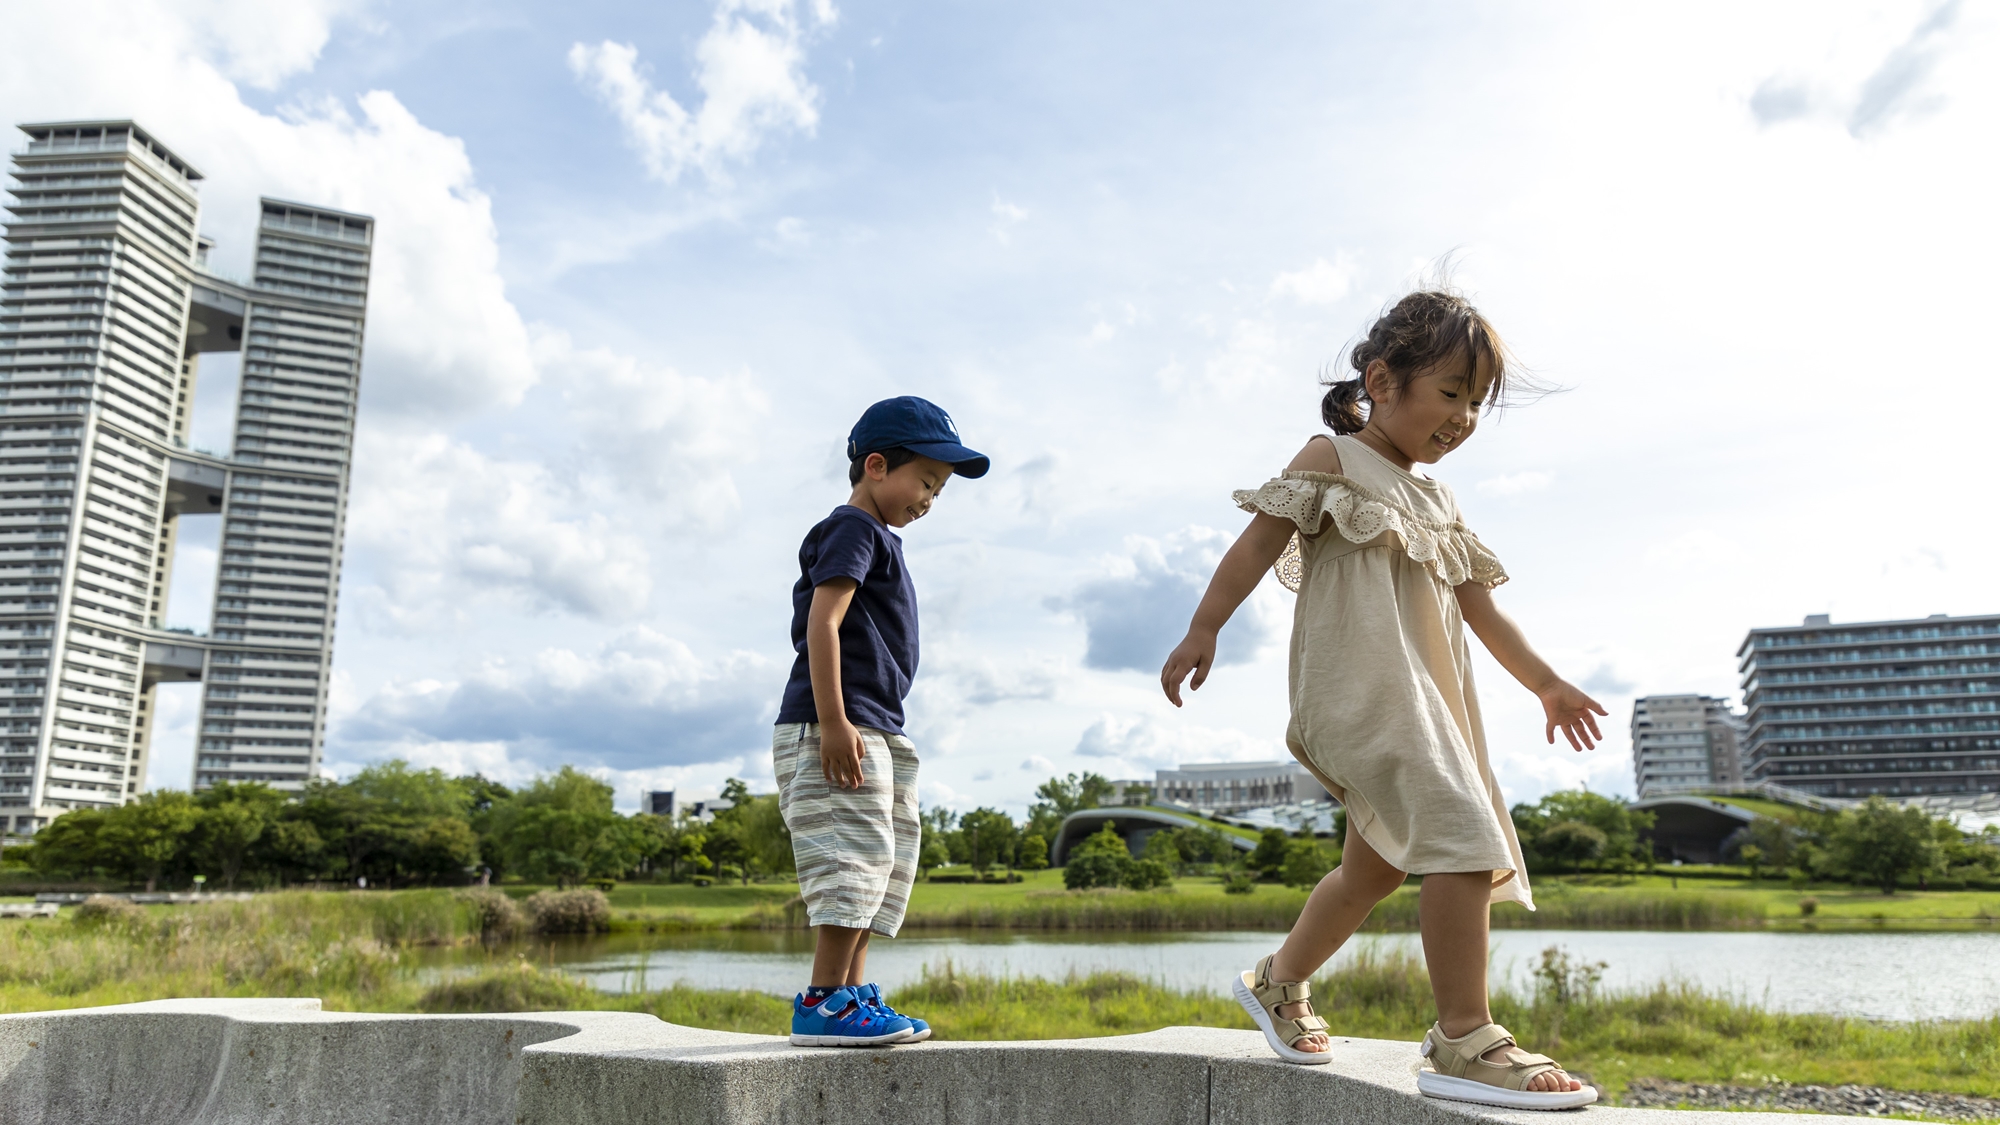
1341, 408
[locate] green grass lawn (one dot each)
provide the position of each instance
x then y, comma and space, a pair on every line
1658, 901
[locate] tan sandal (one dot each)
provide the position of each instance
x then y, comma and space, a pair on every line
1459, 1071
1262, 997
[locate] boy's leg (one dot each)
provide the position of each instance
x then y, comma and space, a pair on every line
842, 842
835, 950
1454, 911
857, 963
906, 827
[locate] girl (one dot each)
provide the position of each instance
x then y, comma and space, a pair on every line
1383, 708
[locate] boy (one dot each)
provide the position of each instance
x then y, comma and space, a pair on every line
847, 776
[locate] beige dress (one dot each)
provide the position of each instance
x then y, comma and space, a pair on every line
1383, 708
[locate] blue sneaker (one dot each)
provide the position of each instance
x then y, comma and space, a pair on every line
871, 995
842, 1020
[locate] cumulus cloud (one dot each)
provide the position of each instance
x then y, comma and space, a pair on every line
1322, 283
750, 68
1135, 614
1140, 744
440, 525
1895, 89
651, 431
640, 701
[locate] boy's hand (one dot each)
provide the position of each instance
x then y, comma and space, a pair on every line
1195, 653
840, 751
1567, 707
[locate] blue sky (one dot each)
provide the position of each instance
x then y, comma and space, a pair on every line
641, 266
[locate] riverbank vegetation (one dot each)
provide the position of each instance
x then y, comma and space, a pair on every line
362, 952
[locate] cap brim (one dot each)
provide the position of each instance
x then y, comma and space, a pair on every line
964, 462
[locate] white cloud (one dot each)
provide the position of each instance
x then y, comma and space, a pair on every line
1135, 613
1006, 216
750, 67
649, 431
640, 701
441, 526
1514, 484
1137, 745
1322, 283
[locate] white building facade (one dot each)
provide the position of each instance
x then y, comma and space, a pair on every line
106, 306
1684, 742
1235, 786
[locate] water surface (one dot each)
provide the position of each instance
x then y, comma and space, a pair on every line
1888, 976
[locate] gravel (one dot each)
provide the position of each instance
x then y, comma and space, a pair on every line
1847, 1101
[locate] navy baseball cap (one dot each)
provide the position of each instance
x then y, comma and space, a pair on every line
919, 426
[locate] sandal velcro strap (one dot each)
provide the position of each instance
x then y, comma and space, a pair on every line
1292, 992
1464, 1057
1308, 1024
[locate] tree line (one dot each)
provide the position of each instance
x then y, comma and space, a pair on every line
393, 825
1877, 843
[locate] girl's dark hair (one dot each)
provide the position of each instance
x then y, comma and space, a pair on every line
897, 458
1423, 330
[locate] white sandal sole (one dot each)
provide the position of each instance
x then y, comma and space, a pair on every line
1242, 991
1433, 1084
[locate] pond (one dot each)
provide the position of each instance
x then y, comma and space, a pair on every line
1886, 976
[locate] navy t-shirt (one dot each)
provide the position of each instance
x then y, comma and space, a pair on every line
878, 637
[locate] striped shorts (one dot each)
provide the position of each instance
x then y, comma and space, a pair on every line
856, 849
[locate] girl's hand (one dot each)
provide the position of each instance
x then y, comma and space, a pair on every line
1195, 653
1567, 707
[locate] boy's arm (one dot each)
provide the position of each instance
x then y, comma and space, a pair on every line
1564, 704
839, 741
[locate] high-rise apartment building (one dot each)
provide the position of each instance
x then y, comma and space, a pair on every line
1900, 708
1685, 742
107, 306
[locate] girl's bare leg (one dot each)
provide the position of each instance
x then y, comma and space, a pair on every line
1453, 913
1335, 909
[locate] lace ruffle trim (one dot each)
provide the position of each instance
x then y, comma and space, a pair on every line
1451, 551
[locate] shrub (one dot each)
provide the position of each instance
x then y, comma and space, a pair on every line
1808, 906
1147, 874
499, 916
1305, 864
1089, 869
523, 988
1034, 852
105, 910
1238, 883
569, 912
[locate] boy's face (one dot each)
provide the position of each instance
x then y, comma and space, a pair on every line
902, 496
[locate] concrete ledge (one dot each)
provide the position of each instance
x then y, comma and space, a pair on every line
221, 1062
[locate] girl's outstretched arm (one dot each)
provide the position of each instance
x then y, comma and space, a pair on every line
1254, 552
1564, 704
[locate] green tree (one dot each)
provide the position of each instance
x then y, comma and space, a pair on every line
1306, 863
1034, 853
1268, 860
1101, 860
1879, 843
989, 837
1572, 842
1162, 846
71, 845
934, 853
148, 834
235, 816
562, 827
1059, 796
1619, 824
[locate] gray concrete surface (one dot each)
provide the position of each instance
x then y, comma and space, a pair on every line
224, 1062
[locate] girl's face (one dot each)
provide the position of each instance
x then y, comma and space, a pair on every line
1435, 414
